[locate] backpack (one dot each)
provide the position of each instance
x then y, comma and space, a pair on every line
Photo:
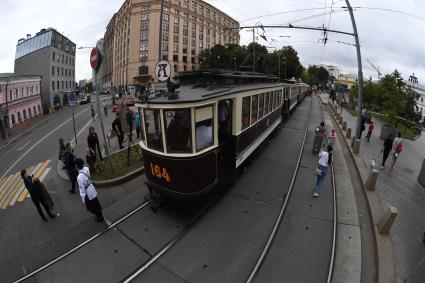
399, 147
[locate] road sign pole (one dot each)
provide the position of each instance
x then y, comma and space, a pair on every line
73, 122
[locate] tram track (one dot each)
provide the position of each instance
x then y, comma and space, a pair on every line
284, 207
85, 243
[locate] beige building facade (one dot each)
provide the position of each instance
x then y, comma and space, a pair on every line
131, 48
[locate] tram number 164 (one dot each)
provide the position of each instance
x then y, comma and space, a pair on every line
160, 172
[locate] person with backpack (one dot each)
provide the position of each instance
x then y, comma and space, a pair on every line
325, 159
397, 148
88, 191
69, 166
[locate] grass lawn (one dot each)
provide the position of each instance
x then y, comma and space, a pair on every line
119, 164
405, 130
353, 112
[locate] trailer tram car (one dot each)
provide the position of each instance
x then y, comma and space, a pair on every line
195, 137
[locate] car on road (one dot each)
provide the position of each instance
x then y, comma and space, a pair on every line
85, 98
115, 108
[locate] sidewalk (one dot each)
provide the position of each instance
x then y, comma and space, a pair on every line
399, 189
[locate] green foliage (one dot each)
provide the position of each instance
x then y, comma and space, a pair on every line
317, 76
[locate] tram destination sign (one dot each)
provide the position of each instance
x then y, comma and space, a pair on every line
163, 71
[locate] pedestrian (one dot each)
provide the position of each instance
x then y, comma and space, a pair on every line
91, 159
62, 149
369, 131
39, 194
318, 138
105, 107
397, 148
93, 142
332, 138
69, 166
92, 112
386, 149
88, 191
325, 159
117, 127
138, 125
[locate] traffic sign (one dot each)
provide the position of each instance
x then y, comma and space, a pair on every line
163, 70
95, 59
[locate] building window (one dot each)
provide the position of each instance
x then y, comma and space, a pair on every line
62, 71
66, 84
194, 33
201, 36
19, 117
53, 70
201, 29
193, 6
176, 29
166, 9
193, 42
145, 8
62, 84
145, 26
164, 47
16, 94
176, 20
166, 17
165, 26
144, 37
175, 58
185, 31
144, 57
192, 51
175, 68
63, 58
184, 49
193, 25
185, 40
57, 85
144, 47
53, 56
32, 90
66, 72
201, 45
57, 71
185, 59
145, 17
35, 110
13, 119
66, 60
29, 112
10, 95
176, 38
175, 48
192, 59
39, 108
185, 22
36, 89
165, 36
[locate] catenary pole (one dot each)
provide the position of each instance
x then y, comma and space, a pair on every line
360, 72
160, 30
253, 49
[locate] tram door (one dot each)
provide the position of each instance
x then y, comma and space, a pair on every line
226, 158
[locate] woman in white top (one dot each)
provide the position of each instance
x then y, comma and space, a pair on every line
325, 159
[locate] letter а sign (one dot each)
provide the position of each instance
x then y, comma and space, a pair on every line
163, 70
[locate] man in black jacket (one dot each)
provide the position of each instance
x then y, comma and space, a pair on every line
93, 142
69, 166
117, 127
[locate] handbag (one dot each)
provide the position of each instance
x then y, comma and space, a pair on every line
319, 171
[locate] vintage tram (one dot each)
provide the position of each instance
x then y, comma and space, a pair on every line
195, 137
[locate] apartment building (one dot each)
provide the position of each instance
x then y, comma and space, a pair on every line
131, 41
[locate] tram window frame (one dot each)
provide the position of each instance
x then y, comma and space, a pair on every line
188, 148
203, 118
142, 123
270, 102
159, 134
245, 112
260, 106
254, 109
266, 103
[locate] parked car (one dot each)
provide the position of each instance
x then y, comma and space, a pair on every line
85, 98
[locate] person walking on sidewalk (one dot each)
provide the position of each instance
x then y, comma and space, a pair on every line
105, 107
319, 136
93, 142
397, 148
325, 159
138, 125
88, 191
332, 138
369, 131
69, 166
39, 195
92, 112
62, 149
386, 149
117, 127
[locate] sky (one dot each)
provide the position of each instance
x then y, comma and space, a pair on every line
390, 40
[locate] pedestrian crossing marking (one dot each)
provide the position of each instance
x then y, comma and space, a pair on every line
13, 189
8, 197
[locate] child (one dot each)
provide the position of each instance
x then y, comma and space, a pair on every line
369, 131
332, 138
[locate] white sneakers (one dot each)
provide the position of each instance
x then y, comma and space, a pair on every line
316, 194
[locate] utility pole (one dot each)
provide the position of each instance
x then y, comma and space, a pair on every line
360, 72
253, 49
160, 30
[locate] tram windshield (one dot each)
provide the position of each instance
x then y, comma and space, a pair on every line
178, 131
153, 129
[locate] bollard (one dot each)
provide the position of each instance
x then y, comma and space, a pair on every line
348, 134
356, 146
341, 119
384, 225
353, 138
337, 116
371, 180
344, 126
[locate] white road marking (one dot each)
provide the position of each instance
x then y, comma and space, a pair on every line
22, 147
37, 143
5, 182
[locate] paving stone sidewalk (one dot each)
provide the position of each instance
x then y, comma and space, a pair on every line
400, 189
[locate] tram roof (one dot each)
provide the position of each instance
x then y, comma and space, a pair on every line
207, 84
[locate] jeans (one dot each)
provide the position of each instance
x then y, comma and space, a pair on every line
321, 178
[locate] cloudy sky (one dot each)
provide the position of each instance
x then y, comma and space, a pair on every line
390, 40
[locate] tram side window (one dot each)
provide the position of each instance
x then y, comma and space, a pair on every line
204, 128
270, 101
266, 103
254, 111
260, 106
153, 129
246, 111
178, 131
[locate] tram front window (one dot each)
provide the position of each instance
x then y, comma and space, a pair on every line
153, 129
178, 131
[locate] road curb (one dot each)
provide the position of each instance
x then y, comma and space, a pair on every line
120, 180
383, 243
